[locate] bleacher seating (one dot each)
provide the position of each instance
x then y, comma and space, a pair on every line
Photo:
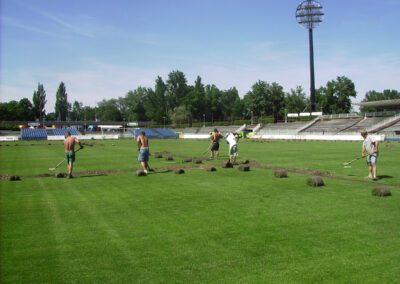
365, 123
61, 131
166, 132
43, 133
155, 132
33, 134
332, 126
282, 128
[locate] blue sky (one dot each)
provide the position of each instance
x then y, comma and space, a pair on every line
102, 49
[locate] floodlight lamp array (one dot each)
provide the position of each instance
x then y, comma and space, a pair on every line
309, 14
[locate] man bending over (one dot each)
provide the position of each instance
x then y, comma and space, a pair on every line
69, 147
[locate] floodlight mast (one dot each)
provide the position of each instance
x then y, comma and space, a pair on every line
309, 14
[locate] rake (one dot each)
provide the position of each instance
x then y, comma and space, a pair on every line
348, 164
52, 169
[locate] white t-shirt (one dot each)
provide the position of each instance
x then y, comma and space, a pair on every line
231, 139
369, 145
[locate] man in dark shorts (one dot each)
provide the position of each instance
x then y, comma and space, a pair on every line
69, 147
144, 151
214, 149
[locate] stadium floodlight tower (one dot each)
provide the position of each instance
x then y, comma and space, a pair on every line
309, 14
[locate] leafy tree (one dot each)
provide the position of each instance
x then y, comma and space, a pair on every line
9, 111
276, 98
4, 111
135, 104
296, 101
61, 105
176, 89
51, 116
195, 100
255, 100
107, 110
230, 102
155, 104
179, 115
39, 102
77, 112
336, 96
213, 102
25, 110
379, 96
89, 113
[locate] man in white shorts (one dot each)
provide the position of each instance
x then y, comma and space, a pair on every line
232, 140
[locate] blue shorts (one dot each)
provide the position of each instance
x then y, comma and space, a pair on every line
143, 155
372, 159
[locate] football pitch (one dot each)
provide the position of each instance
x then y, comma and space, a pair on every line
225, 226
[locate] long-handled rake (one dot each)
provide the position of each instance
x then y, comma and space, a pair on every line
52, 169
206, 151
348, 164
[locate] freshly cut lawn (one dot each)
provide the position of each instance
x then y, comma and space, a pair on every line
228, 226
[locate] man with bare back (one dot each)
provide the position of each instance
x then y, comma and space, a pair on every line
69, 147
144, 151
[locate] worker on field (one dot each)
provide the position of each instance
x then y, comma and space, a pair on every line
214, 149
370, 150
232, 139
69, 147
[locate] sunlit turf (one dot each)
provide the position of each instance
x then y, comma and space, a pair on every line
216, 227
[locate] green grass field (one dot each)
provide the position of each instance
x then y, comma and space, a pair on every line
228, 226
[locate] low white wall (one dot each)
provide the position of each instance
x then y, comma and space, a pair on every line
194, 136
380, 137
8, 138
86, 137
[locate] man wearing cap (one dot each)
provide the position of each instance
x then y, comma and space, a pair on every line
370, 149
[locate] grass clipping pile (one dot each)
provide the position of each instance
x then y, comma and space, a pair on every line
315, 181
381, 190
280, 173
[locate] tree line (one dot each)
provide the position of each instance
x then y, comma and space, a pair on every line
177, 101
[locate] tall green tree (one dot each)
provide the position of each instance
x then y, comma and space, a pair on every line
195, 100
61, 105
107, 110
135, 104
89, 113
156, 102
336, 96
296, 101
276, 101
176, 89
77, 112
25, 110
39, 102
230, 102
213, 103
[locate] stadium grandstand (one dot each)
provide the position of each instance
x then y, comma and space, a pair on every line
385, 121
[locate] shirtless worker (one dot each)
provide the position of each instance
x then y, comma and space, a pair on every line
144, 151
69, 147
214, 147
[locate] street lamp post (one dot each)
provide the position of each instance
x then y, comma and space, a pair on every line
204, 120
309, 14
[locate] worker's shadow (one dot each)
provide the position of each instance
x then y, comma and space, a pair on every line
384, 176
90, 176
